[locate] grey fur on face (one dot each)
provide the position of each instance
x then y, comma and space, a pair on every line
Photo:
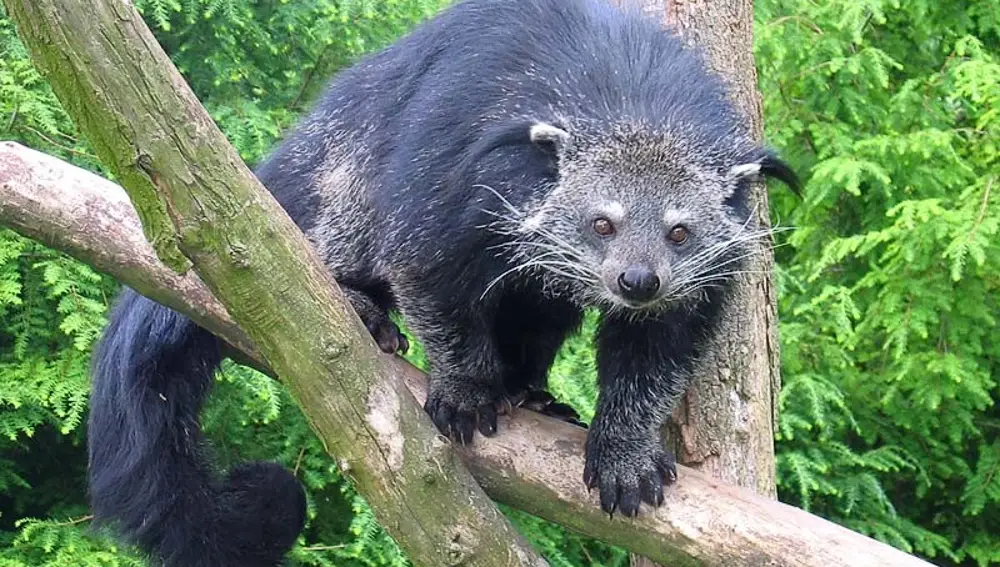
662, 204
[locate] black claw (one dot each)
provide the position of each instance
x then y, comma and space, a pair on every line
629, 500
627, 477
668, 467
463, 426
460, 421
488, 420
609, 497
441, 415
651, 488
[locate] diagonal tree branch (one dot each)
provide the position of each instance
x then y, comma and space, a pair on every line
201, 206
534, 463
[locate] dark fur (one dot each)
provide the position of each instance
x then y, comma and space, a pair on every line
418, 183
151, 372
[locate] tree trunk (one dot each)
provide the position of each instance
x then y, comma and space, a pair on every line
724, 425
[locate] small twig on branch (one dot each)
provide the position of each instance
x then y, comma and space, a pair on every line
310, 74
76, 521
982, 209
43, 136
534, 463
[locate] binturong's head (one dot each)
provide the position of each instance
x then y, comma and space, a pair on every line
641, 220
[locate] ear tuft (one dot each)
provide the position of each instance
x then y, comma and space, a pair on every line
548, 137
768, 166
772, 166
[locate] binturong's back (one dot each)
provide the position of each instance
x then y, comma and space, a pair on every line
437, 91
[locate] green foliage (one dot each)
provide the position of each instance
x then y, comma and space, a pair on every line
51, 314
573, 376
29, 112
257, 65
51, 310
889, 284
63, 544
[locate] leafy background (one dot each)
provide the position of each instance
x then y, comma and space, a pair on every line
888, 284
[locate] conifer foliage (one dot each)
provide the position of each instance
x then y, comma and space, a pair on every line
888, 285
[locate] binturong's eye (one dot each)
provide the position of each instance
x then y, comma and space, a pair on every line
678, 234
603, 226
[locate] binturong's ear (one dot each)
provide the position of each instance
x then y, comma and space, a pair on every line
551, 139
767, 166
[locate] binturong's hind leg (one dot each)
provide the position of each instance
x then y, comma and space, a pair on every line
376, 318
529, 346
543, 402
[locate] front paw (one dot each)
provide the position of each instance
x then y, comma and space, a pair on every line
459, 407
627, 472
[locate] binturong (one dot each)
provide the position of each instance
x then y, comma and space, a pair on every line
501, 169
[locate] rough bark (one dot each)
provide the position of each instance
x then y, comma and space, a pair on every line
725, 424
201, 206
527, 465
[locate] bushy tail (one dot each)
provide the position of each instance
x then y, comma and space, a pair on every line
148, 474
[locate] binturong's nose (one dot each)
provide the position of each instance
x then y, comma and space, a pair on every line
638, 283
